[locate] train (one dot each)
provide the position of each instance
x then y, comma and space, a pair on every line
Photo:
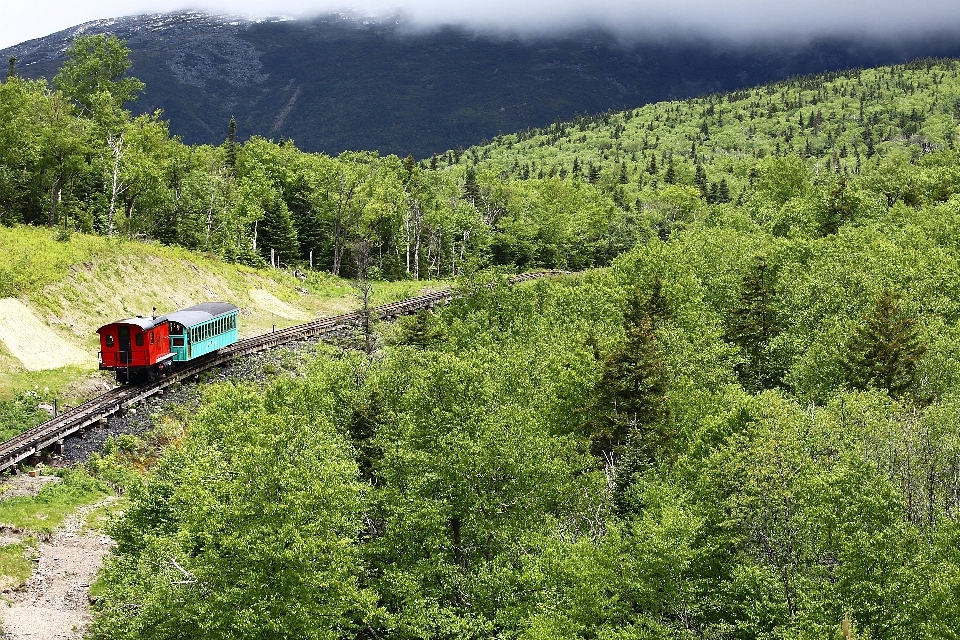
145, 348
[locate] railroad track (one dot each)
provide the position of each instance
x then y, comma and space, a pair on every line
52, 433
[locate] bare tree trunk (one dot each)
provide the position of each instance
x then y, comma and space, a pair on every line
55, 195
406, 236
116, 146
130, 205
417, 219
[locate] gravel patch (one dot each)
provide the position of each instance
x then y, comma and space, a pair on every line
55, 602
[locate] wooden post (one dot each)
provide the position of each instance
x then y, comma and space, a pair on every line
271, 258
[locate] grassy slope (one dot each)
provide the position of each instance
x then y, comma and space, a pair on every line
79, 285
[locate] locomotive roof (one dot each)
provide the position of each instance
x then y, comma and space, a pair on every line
144, 322
198, 313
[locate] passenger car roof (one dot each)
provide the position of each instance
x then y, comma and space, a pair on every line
192, 316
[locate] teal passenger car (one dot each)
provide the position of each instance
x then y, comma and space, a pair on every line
201, 329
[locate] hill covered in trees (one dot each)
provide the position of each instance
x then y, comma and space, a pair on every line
743, 427
345, 82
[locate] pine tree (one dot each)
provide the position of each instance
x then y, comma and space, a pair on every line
652, 167
670, 177
275, 231
884, 349
410, 165
12, 68
471, 190
700, 180
593, 176
422, 330
840, 208
724, 191
231, 144
753, 324
630, 408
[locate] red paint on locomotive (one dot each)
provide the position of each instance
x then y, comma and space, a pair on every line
136, 343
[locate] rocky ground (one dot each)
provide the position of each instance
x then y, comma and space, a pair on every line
55, 602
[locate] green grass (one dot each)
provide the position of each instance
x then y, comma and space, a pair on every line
16, 563
47, 510
99, 518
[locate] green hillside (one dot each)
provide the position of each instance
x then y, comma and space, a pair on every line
740, 421
862, 140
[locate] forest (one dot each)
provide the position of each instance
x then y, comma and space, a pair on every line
738, 420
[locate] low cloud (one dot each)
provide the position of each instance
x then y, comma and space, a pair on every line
733, 20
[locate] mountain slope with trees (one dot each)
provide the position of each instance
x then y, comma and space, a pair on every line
744, 426
348, 82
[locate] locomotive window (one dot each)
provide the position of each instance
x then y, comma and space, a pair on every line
139, 339
151, 337
109, 341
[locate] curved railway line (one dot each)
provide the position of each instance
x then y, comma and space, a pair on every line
52, 432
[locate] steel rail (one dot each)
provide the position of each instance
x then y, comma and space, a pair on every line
53, 431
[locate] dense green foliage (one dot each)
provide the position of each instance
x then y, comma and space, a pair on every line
746, 427
803, 157
451, 487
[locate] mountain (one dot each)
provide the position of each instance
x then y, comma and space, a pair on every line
344, 82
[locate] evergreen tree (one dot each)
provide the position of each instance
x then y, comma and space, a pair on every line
275, 231
593, 175
670, 177
839, 208
231, 144
421, 330
409, 166
471, 189
753, 324
884, 349
724, 195
700, 180
652, 167
12, 68
630, 409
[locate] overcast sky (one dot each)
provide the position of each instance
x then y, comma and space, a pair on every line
730, 19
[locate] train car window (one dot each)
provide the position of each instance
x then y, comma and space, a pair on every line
178, 341
109, 341
139, 339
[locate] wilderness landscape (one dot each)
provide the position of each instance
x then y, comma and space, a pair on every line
735, 416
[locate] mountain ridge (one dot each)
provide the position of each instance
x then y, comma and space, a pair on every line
346, 81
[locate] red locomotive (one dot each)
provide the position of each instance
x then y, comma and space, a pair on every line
143, 348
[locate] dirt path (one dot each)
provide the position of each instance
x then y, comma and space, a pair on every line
55, 602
